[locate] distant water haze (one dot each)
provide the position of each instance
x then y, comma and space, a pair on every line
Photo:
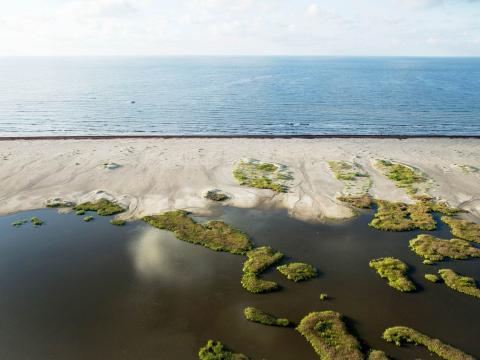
45, 96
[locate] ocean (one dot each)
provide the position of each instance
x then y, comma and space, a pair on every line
44, 96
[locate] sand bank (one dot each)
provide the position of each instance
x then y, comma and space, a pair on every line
155, 175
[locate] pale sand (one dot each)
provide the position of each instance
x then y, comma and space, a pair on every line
163, 174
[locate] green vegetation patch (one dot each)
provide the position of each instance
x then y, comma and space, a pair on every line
102, 207
346, 171
443, 208
18, 223
298, 271
327, 334
88, 218
432, 277
254, 284
323, 296
36, 221
404, 176
118, 222
215, 350
216, 195
215, 235
377, 355
394, 270
362, 201
261, 317
397, 216
435, 249
463, 229
262, 175
463, 284
356, 183
261, 258
403, 334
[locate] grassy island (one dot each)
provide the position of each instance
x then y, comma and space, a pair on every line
432, 277
434, 249
215, 350
298, 271
88, 218
262, 175
463, 284
463, 229
261, 258
254, 284
102, 207
261, 317
36, 221
215, 235
403, 334
397, 216
377, 355
327, 334
394, 270
118, 222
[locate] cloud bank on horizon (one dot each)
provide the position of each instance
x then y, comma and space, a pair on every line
240, 27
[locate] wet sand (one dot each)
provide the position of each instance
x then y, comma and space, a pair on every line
159, 174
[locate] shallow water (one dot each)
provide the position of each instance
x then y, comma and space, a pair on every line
75, 290
239, 96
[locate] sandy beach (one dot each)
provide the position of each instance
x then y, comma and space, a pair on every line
156, 175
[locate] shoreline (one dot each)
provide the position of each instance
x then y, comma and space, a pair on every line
285, 136
157, 174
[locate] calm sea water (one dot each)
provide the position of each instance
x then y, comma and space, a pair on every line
241, 95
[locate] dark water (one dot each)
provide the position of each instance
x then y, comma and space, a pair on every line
239, 96
75, 290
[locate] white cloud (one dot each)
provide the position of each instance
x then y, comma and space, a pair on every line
312, 10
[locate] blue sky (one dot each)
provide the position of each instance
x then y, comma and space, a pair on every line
240, 27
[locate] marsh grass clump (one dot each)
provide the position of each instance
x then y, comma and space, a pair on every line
88, 218
398, 216
327, 334
356, 183
261, 317
216, 195
262, 175
403, 334
215, 235
298, 271
344, 170
394, 270
404, 176
377, 355
323, 296
36, 221
432, 277
261, 258
215, 350
18, 223
361, 202
463, 284
443, 208
434, 249
80, 212
463, 229
102, 207
118, 222
254, 284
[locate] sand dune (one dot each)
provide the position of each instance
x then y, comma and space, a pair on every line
155, 175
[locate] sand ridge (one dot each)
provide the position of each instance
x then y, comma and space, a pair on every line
156, 175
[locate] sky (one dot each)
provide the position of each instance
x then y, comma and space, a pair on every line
240, 27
